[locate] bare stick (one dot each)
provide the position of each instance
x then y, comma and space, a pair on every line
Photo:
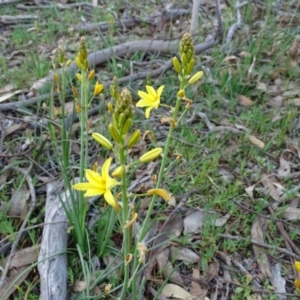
53, 258
100, 57
195, 17
267, 246
233, 27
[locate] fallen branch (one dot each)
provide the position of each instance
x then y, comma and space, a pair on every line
102, 56
53, 258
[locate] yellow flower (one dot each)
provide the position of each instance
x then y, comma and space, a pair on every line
99, 184
150, 100
98, 88
297, 266
297, 284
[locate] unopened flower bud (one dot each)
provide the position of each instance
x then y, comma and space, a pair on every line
195, 77
118, 172
114, 133
110, 107
150, 155
176, 65
127, 126
56, 77
103, 141
180, 93
91, 75
98, 88
79, 77
134, 139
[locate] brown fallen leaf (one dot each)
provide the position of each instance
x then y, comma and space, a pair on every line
20, 267
257, 233
294, 52
270, 187
244, 100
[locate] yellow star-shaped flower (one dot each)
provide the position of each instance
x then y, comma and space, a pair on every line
150, 100
99, 184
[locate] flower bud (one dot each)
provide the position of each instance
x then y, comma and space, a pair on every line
195, 77
68, 62
176, 65
122, 119
75, 92
180, 93
98, 88
79, 77
118, 172
78, 62
91, 75
190, 66
110, 107
103, 141
127, 126
114, 133
134, 139
150, 155
56, 77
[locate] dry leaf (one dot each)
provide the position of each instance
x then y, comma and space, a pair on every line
245, 101
177, 292
284, 168
294, 52
292, 213
249, 190
257, 233
18, 203
196, 289
184, 254
79, 286
271, 189
193, 222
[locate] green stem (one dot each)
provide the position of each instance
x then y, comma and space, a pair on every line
145, 227
125, 215
83, 159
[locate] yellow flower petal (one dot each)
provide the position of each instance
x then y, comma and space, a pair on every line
93, 177
105, 167
143, 103
83, 186
146, 97
297, 284
159, 91
94, 192
297, 266
151, 91
147, 113
109, 198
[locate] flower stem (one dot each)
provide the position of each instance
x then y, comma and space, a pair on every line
125, 216
145, 227
82, 205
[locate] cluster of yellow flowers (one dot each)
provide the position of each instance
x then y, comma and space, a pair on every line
102, 183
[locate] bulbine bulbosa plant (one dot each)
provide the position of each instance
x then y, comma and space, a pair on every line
120, 138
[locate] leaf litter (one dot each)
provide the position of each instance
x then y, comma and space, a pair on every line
268, 179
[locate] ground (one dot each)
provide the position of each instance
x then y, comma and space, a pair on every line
231, 228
